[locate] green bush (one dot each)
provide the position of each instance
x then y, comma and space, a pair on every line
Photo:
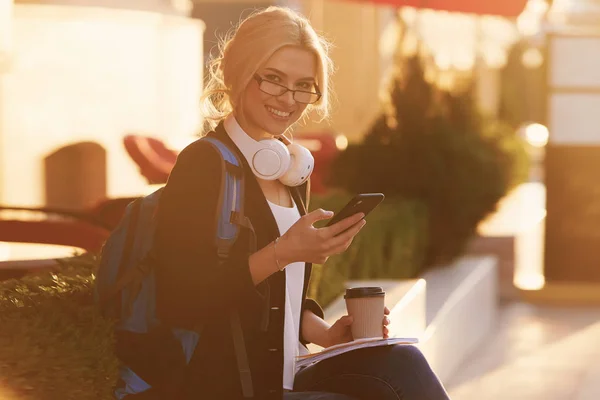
53, 342
390, 246
433, 146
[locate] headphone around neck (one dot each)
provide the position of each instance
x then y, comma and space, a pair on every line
271, 159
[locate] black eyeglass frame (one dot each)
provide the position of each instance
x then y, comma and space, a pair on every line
260, 80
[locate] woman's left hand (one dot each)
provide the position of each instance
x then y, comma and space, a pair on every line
386, 322
340, 331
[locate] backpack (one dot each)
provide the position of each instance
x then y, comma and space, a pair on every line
124, 288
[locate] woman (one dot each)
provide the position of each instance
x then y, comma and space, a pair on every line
271, 73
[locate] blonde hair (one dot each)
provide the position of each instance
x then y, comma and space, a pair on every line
255, 40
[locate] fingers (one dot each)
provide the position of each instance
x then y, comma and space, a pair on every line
340, 248
346, 320
344, 224
318, 215
386, 322
386, 311
343, 240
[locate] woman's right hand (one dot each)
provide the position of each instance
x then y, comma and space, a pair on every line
305, 243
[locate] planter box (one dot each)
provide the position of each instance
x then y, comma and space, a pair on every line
451, 310
462, 309
503, 248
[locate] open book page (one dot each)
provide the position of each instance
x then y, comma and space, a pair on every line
308, 359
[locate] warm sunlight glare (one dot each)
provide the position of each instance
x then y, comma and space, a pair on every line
532, 58
4, 252
529, 281
341, 142
179, 143
6, 11
27, 251
536, 135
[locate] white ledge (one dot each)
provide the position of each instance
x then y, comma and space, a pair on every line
451, 310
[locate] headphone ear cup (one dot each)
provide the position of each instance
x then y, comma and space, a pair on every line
271, 160
301, 166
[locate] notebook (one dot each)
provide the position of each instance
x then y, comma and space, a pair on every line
309, 359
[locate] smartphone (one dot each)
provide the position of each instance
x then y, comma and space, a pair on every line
361, 203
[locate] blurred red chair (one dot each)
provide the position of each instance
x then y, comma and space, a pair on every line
106, 214
60, 232
152, 156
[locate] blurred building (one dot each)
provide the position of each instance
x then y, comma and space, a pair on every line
94, 70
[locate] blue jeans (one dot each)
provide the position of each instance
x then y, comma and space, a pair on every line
396, 372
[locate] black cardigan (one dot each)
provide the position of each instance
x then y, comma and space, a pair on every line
192, 288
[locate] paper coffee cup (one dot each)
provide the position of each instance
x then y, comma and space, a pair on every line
366, 305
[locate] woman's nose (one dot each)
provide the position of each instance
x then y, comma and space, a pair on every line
287, 98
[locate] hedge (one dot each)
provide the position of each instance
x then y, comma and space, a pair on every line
53, 343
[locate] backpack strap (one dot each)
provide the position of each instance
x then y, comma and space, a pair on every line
300, 196
124, 277
230, 218
231, 199
241, 355
306, 193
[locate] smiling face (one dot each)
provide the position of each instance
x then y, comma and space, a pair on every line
263, 115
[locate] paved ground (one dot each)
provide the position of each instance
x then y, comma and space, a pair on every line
537, 353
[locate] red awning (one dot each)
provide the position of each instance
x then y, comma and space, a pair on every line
505, 8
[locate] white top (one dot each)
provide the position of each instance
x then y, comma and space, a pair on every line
294, 277
294, 273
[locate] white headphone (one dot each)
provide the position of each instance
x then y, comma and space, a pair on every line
270, 159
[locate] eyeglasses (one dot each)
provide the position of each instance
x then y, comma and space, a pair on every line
275, 89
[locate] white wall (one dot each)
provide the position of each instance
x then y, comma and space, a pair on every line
84, 73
